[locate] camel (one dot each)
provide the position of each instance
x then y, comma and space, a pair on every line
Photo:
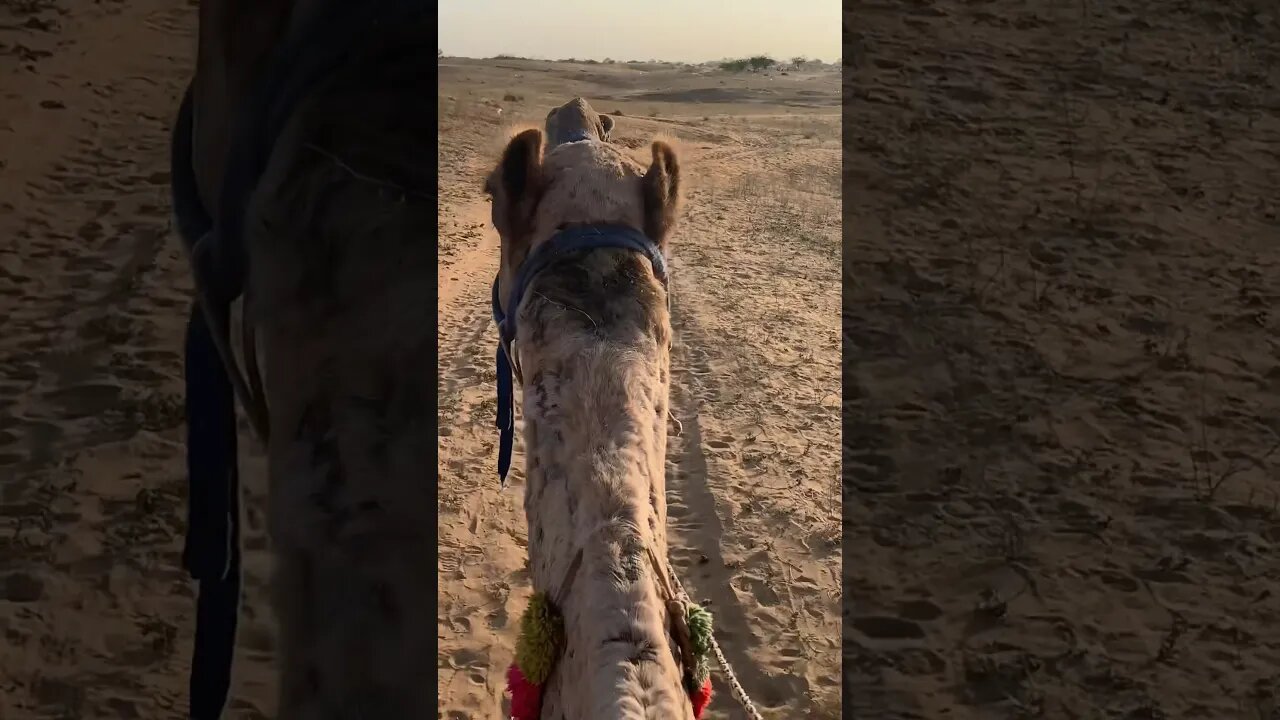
302, 188
300, 191
591, 349
574, 120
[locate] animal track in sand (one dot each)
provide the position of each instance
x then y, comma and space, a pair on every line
720, 444
21, 587
885, 627
919, 610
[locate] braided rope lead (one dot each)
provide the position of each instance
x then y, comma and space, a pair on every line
735, 687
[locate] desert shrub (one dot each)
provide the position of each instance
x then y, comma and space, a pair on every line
755, 64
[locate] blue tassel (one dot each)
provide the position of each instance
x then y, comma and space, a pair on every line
212, 552
506, 415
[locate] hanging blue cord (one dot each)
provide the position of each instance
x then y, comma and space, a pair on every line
506, 397
211, 551
563, 243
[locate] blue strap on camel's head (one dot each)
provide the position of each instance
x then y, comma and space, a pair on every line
564, 243
576, 136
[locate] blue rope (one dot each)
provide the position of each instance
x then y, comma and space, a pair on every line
577, 136
506, 415
564, 243
211, 550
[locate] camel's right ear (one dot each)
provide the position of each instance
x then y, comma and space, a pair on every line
661, 185
516, 184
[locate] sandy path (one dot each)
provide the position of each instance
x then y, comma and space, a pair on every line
752, 476
1062, 374
95, 609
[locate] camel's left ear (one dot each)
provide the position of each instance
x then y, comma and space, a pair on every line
515, 186
661, 193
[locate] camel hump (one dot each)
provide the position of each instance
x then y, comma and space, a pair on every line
576, 120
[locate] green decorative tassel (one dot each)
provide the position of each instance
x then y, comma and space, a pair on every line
541, 638
700, 627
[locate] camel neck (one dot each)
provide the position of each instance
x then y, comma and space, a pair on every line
595, 438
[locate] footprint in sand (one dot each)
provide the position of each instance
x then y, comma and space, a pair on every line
884, 627
21, 587
475, 661
498, 619
7, 440
919, 610
720, 444
85, 400
760, 590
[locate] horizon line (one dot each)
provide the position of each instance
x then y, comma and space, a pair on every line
505, 56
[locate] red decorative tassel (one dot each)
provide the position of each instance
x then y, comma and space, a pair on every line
701, 698
526, 698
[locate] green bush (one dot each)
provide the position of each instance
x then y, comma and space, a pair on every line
756, 63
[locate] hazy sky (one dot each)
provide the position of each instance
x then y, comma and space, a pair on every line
677, 30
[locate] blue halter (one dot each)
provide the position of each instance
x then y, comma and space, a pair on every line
577, 136
562, 244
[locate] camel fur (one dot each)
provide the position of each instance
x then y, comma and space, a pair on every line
573, 118
593, 345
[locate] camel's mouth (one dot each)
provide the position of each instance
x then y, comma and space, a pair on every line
542, 639
566, 242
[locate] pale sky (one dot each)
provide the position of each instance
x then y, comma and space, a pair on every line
673, 30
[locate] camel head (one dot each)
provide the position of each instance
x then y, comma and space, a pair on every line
538, 188
592, 348
576, 119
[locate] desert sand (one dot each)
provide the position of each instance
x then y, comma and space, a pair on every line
95, 609
1062, 417
753, 461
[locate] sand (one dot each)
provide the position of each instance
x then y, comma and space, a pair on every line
95, 609
753, 472
1061, 387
